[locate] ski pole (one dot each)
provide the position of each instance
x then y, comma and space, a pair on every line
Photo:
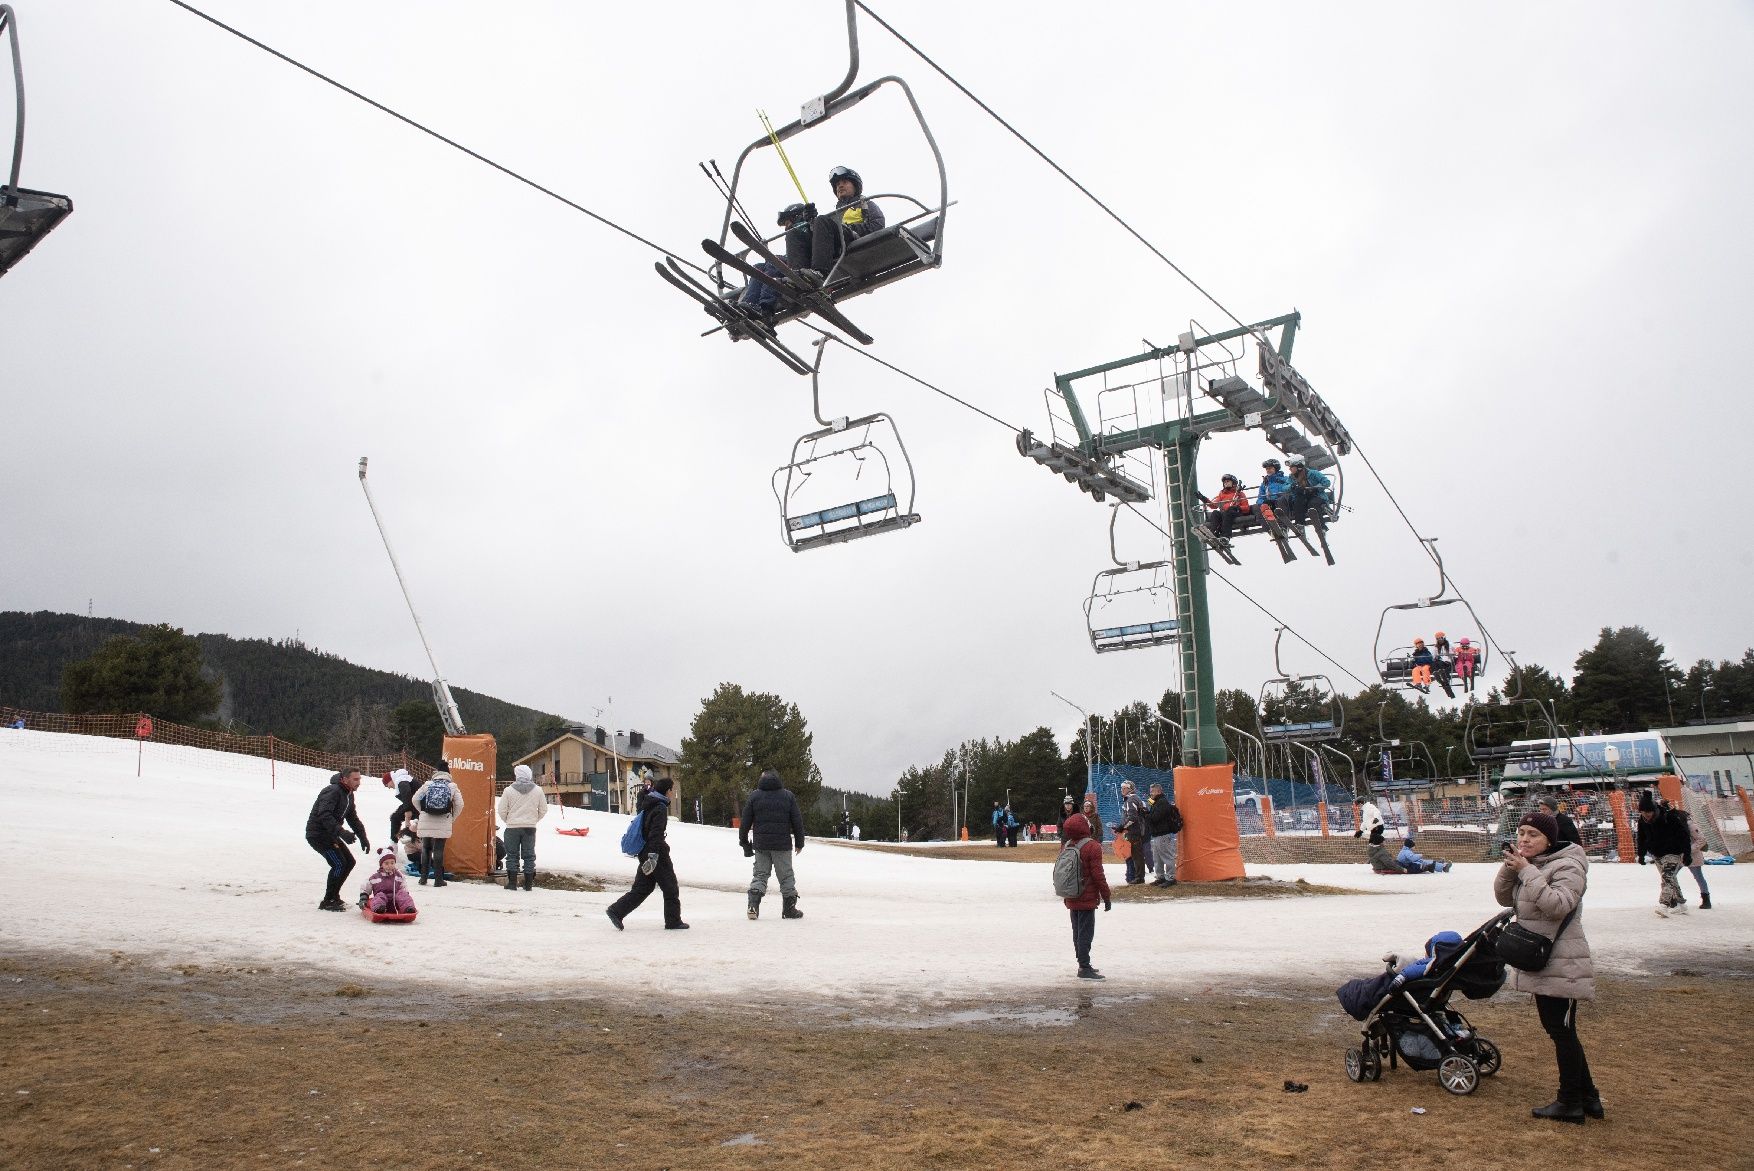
775, 139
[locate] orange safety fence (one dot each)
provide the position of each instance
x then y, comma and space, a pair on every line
143, 728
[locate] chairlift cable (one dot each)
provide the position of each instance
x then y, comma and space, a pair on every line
427, 130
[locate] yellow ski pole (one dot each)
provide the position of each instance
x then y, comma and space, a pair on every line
775, 139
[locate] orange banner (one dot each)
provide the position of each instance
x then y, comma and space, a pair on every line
1622, 825
1210, 849
472, 761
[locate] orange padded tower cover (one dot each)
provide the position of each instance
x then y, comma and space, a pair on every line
472, 760
1210, 849
1669, 787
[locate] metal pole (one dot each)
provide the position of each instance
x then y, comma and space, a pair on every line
453, 719
1086, 715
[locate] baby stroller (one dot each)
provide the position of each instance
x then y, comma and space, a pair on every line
1407, 1017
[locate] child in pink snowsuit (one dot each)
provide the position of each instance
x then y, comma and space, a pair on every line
385, 891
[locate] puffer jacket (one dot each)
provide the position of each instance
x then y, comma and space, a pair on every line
438, 825
523, 804
1542, 894
1272, 487
771, 818
333, 806
1664, 834
1231, 498
1090, 857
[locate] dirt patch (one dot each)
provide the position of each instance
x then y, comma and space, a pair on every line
111, 1066
976, 851
1242, 888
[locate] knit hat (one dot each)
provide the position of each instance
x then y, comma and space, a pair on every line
386, 852
1407, 841
1543, 823
1646, 802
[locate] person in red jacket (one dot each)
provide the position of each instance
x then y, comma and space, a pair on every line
1095, 892
1230, 505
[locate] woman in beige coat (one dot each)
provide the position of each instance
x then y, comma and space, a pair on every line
1543, 880
435, 823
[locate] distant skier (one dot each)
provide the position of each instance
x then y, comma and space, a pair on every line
998, 825
771, 828
324, 832
759, 298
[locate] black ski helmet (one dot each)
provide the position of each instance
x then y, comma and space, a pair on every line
839, 173
793, 213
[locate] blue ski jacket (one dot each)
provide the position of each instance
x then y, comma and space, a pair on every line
1272, 487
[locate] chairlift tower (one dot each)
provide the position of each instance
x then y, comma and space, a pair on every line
1198, 390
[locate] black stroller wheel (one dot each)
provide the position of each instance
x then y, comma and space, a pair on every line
1458, 1074
1487, 1057
1372, 1065
1355, 1064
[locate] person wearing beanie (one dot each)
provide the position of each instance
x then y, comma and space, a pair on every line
1662, 835
1543, 880
771, 828
1567, 827
1095, 892
1413, 862
521, 806
655, 870
438, 802
384, 892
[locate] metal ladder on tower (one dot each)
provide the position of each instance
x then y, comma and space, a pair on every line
1176, 489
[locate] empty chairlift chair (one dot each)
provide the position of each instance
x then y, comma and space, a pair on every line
26, 216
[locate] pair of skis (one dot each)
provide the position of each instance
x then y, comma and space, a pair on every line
798, 297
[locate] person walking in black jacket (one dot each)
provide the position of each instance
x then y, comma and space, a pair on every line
324, 832
655, 869
1663, 836
772, 826
405, 785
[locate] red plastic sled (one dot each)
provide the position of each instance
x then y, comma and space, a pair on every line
382, 917
576, 833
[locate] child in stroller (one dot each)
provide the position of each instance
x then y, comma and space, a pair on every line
1407, 1017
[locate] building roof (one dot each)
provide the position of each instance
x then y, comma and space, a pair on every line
618, 743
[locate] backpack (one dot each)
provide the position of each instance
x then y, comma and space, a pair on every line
1175, 819
633, 840
1069, 871
438, 796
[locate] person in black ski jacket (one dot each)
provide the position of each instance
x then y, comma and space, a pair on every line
814, 245
1567, 827
1662, 835
405, 784
326, 835
655, 870
1162, 822
772, 826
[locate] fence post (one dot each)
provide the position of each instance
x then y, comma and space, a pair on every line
1322, 814
273, 780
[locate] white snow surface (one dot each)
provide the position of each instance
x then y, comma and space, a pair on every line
200, 860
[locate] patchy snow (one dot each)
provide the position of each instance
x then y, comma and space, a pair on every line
200, 860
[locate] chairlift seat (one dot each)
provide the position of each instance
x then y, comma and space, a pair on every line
1307, 730
1141, 634
27, 216
868, 518
885, 255
1238, 397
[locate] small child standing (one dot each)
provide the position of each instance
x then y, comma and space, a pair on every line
1094, 892
384, 892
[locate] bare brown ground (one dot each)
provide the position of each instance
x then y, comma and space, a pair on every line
1449, 845
118, 1067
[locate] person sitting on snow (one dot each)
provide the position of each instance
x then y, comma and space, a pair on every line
1414, 862
1381, 860
385, 891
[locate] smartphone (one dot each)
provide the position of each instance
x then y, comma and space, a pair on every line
1507, 848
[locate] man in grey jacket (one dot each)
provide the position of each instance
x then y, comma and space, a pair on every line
772, 826
521, 806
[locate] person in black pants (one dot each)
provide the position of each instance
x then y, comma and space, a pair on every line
324, 833
655, 869
405, 786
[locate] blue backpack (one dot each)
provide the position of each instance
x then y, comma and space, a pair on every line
634, 840
438, 796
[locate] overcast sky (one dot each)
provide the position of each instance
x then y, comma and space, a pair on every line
1518, 235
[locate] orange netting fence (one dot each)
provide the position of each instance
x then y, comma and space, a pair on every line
145, 730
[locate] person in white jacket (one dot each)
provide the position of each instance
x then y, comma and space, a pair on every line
1370, 823
521, 806
438, 802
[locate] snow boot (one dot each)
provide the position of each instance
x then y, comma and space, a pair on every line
1088, 973
789, 908
614, 918
530, 881
754, 906
511, 882
1705, 902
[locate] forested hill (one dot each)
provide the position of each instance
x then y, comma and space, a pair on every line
284, 688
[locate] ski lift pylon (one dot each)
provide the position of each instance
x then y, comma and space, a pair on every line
832, 513
26, 216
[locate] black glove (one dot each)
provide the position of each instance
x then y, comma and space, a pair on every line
749, 851
347, 836
365, 847
810, 211
1107, 905
1357, 833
